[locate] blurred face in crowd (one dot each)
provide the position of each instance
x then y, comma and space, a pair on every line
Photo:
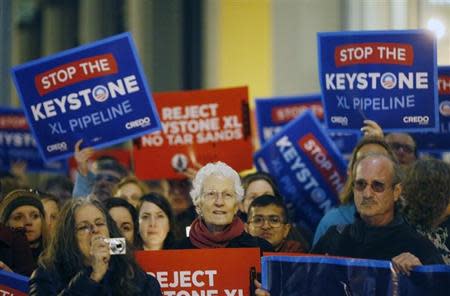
374, 191
51, 210
105, 180
30, 218
89, 222
131, 192
179, 195
403, 146
218, 203
268, 222
153, 226
124, 222
255, 189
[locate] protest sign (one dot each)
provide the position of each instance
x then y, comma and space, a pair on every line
272, 114
13, 284
386, 76
96, 92
309, 170
440, 141
18, 145
208, 272
198, 126
320, 275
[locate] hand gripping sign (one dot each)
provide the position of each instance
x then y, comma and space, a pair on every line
17, 144
319, 275
97, 92
198, 127
440, 141
13, 284
206, 272
272, 114
308, 168
386, 76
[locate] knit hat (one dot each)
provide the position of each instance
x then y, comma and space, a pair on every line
18, 198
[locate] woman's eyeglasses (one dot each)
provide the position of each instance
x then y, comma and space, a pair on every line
213, 195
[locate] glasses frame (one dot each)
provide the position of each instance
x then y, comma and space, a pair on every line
267, 219
375, 186
212, 195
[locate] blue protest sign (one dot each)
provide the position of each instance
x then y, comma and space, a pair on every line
97, 92
272, 114
440, 141
13, 284
307, 166
386, 76
319, 275
17, 144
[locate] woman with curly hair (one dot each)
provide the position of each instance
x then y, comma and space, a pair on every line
78, 260
426, 193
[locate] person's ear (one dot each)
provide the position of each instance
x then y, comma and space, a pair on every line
397, 191
287, 228
241, 205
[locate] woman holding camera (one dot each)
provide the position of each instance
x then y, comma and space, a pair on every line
78, 260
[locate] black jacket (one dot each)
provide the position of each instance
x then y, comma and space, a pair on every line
244, 240
359, 240
44, 282
15, 251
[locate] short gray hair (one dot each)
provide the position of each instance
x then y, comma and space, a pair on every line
219, 169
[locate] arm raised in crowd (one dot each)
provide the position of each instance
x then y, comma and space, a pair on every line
85, 178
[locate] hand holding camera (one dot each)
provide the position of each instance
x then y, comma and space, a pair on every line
99, 257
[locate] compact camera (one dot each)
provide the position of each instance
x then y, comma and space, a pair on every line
117, 245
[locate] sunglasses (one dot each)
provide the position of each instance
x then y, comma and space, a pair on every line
405, 147
377, 186
107, 178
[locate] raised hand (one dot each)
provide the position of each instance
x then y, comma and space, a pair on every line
99, 257
82, 157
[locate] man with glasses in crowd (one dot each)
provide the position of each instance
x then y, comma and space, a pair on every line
267, 219
404, 147
105, 173
379, 231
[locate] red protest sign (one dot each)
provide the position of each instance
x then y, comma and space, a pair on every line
5, 290
198, 127
210, 272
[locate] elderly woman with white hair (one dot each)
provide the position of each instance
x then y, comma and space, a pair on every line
216, 193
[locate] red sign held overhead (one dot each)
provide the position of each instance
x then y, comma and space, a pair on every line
210, 272
197, 127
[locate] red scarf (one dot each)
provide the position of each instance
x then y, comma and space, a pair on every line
202, 238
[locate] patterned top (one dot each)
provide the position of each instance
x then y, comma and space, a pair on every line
439, 236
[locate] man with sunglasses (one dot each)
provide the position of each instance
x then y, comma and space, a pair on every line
379, 231
105, 173
404, 147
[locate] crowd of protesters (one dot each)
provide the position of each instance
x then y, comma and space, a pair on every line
393, 207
